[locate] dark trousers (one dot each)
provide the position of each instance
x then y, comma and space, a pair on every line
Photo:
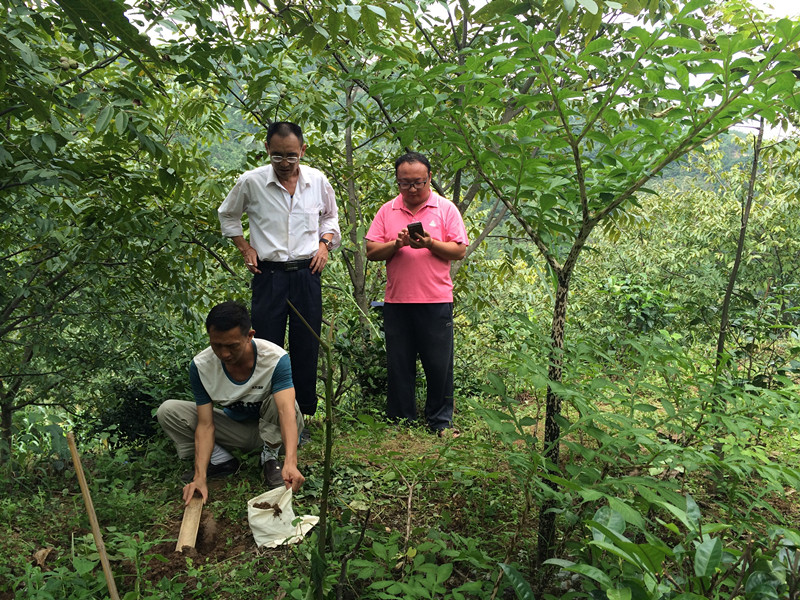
424, 330
271, 290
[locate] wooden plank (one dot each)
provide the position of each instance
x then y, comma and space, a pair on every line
190, 524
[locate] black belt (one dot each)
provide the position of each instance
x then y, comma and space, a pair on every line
292, 265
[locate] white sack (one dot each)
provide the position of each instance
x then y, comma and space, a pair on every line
271, 530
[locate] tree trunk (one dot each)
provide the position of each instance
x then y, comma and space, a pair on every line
355, 261
5, 431
747, 205
552, 430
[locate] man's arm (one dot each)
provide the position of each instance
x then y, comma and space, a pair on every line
444, 250
287, 417
203, 446
328, 228
230, 214
385, 250
329, 217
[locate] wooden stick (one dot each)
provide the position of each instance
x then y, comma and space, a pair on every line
190, 523
87, 499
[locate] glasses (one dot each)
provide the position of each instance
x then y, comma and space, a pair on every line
279, 158
407, 185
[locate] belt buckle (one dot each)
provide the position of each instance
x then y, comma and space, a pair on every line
291, 266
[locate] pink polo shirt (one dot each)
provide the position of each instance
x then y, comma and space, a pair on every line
418, 276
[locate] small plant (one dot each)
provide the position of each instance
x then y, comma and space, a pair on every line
672, 554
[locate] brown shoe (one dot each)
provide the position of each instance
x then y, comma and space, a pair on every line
272, 473
448, 433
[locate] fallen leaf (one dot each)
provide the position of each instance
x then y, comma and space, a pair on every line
40, 556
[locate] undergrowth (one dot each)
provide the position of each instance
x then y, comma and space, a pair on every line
672, 486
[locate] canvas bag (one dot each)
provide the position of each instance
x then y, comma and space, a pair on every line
271, 530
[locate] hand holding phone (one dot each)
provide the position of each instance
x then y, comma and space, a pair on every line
415, 230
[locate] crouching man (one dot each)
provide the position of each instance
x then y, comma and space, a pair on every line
244, 398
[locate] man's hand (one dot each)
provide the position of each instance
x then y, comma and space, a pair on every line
320, 259
423, 241
251, 259
292, 477
197, 486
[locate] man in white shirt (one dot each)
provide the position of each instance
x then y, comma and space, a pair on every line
294, 225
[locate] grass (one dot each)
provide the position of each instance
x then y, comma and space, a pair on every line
412, 515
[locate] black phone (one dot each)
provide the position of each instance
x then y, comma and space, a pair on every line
415, 230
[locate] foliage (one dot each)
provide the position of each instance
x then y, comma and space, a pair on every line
547, 124
710, 560
98, 201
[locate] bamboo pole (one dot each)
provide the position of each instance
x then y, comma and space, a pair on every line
190, 523
98, 537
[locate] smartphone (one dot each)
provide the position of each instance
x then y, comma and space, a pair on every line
415, 230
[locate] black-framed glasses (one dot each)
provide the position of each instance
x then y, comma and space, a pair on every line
407, 185
279, 158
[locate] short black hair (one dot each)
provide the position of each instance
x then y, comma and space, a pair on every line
412, 157
284, 129
226, 316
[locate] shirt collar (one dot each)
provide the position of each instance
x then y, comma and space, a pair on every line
302, 182
433, 201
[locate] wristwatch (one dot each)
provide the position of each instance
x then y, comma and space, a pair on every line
328, 243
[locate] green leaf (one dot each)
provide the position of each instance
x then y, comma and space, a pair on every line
630, 514
377, 10
521, 587
107, 19
83, 565
693, 512
39, 108
589, 5
707, 557
121, 121
354, 11
443, 572
619, 594
610, 519
104, 119
592, 573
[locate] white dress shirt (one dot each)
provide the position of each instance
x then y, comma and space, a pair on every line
283, 227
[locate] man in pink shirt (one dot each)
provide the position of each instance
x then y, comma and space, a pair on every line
418, 308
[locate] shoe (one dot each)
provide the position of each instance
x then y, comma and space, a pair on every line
448, 433
272, 473
215, 471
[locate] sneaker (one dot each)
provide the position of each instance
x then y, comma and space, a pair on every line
215, 471
272, 473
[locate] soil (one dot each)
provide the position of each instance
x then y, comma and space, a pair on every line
268, 505
216, 542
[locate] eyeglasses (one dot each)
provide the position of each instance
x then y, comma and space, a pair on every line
279, 158
407, 185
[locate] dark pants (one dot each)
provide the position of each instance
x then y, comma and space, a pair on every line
271, 290
425, 330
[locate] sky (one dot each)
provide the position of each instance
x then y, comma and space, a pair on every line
781, 8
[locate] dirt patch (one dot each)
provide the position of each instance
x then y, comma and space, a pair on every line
217, 541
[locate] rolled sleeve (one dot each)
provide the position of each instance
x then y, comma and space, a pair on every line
232, 208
